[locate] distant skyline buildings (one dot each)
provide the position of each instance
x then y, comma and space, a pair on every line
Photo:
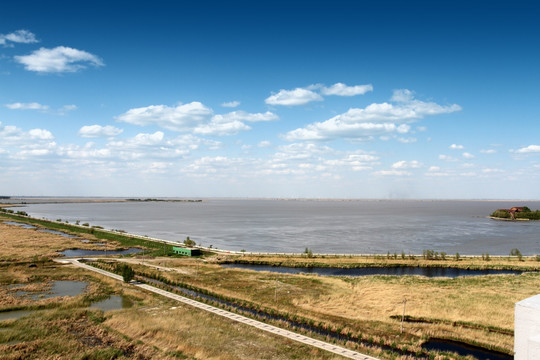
316, 100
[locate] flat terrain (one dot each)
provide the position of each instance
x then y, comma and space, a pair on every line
477, 310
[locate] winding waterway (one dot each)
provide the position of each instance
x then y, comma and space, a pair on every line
324, 226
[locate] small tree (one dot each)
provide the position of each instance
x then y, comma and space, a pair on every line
189, 242
516, 252
126, 271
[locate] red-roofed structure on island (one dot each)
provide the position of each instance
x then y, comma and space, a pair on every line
512, 211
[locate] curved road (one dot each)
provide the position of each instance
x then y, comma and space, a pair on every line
235, 317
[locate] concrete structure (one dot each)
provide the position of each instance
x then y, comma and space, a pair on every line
527, 329
186, 251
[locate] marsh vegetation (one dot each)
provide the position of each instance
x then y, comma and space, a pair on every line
475, 310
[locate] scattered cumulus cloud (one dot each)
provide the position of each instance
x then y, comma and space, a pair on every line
529, 149
264, 144
41, 108
357, 162
27, 106
488, 151
298, 96
182, 117
392, 173
456, 147
341, 89
96, 131
41, 134
194, 117
447, 158
467, 155
492, 171
302, 96
245, 116
231, 104
408, 140
406, 164
60, 59
375, 119
19, 36
221, 126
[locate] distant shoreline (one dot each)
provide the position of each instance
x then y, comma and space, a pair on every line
112, 199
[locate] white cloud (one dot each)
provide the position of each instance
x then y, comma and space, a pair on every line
58, 60
27, 106
402, 95
85, 152
183, 117
408, 140
489, 151
406, 164
467, 155
298, 96
41, 134
392, 173
456, 147
232, 123
357, 162
245, 116
300, 151
447, 158
264, 144
19, 36
95, 131
194, 117
231, 104
341, 89
492, 171
334, 128
529, 149
67, 108
40, 107
436, 172
375, 119
216, 127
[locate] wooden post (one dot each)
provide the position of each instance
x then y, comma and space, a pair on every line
275, 292
403, 317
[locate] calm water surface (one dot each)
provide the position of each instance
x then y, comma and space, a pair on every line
363, 226
367, 271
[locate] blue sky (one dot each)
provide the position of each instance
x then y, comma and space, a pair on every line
341, 99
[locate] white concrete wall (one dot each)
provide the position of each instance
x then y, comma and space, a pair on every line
527, 329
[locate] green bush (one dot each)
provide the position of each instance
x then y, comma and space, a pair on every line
501, 214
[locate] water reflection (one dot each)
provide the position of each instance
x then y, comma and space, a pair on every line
366, 271
464, 349
115, 302
58, 288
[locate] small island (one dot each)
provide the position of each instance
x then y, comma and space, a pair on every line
164, 200
517, 213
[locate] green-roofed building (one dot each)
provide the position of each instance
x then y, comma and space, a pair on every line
186, 251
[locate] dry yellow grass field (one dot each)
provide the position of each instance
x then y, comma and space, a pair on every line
365, 304
19, 244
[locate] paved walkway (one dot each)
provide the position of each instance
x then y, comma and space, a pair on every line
235, 317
